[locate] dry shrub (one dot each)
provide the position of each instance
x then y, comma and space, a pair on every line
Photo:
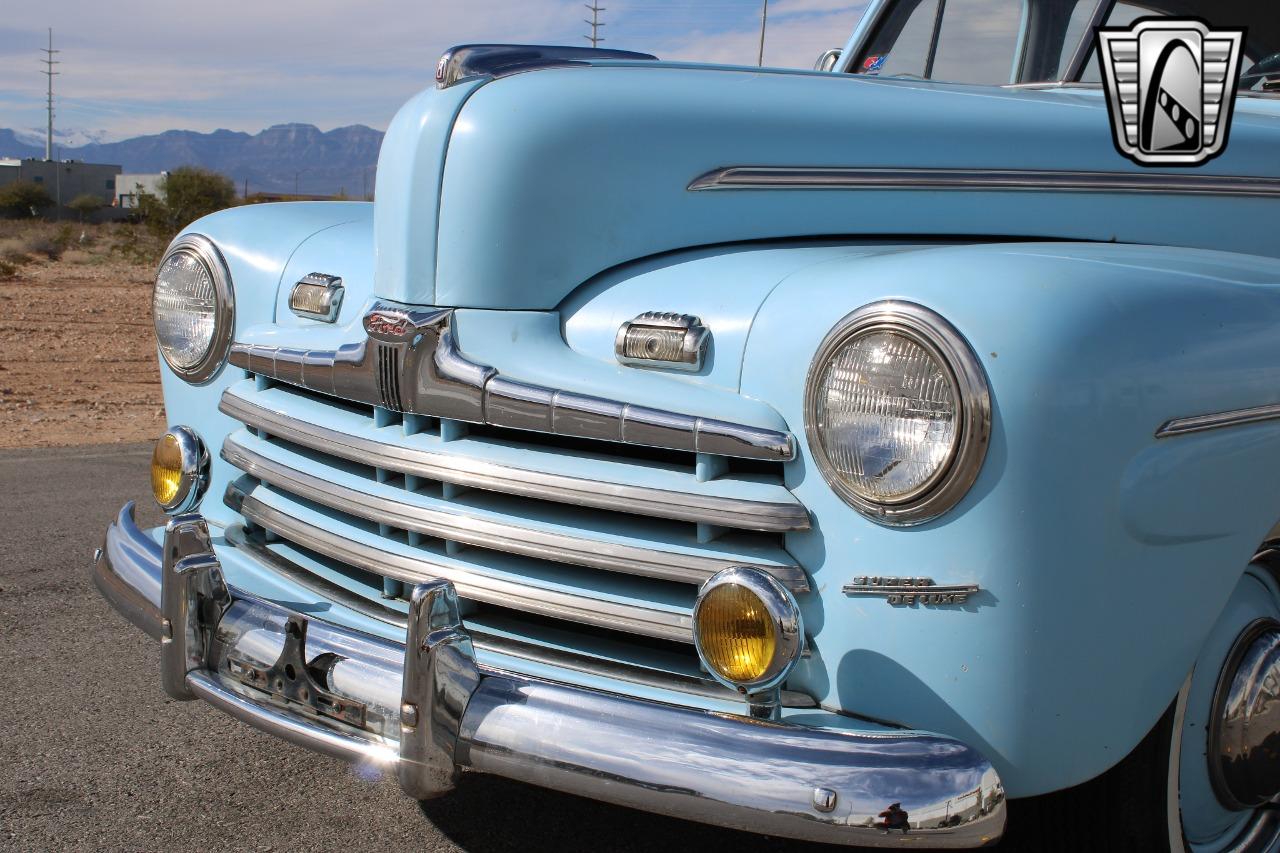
80, 257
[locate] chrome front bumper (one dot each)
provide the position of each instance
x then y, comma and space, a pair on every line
426, 710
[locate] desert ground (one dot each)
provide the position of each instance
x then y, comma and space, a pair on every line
77, 353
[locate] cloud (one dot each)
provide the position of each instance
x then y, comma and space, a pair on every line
135, 67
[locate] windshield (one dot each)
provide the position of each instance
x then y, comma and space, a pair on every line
1000, 42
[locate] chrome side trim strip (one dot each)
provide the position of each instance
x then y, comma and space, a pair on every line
527, 482
445, 522
635, 619
998, 180
1200, 423
411, 362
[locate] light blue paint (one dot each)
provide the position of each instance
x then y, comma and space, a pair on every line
1105, 556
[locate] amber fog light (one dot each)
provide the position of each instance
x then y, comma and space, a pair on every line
179, 470
747, 628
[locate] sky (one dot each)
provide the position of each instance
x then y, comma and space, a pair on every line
131, 67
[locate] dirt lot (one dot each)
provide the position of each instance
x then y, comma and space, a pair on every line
77, 355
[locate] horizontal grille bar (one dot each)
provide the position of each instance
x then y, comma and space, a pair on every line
467, 470
640, 619
649, 676
432, 517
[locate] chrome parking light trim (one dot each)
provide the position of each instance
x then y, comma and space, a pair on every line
436, 518
411, 362
330, 291
711, 767
193, 478
985, 180
528, 482
788, 629
1201, 423
630, 618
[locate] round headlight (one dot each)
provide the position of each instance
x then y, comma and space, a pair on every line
179, 470
747, 629
193, 308
897, 412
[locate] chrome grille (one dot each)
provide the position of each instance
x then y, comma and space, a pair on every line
566, 533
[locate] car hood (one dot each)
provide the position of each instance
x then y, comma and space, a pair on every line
511, 193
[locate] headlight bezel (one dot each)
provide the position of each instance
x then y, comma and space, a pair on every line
944, 343
205, 252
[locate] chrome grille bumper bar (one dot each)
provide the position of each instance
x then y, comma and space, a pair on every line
429, 710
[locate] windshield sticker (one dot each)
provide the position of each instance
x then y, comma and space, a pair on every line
873, 64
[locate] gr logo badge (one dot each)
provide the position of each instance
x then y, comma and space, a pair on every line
1171, 85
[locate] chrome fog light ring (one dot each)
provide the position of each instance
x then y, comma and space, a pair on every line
784, 619
971, 395
203, 251
192, 469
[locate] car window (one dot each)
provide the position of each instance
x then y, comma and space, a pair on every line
902, 45
978, 41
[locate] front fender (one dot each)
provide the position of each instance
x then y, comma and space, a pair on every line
1104, 554
263, 245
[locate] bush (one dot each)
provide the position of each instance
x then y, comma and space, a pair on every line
186, 194
86, 204
24, 198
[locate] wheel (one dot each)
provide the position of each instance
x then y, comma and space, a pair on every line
1206, 779
1224, 758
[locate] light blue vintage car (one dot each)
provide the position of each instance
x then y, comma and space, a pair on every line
852, 455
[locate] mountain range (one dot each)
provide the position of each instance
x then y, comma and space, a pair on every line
281, 158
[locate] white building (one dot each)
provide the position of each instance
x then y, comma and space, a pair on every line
129, 187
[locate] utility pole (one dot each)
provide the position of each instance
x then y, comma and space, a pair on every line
595, 38
764, 19
49, 62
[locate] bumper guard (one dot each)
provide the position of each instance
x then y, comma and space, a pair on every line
426, 710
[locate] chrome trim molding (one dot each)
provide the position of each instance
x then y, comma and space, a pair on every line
639, 342
443, 520
788, 632
1201, 423
932, 332
467, 471
661, 679
638, 618
325, 290
194, 478
434, 710
472, 61
411, 362
206, 252
982, 180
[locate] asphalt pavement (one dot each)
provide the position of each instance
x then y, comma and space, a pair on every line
94, 755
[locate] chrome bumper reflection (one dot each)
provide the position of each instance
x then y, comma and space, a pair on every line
427, 710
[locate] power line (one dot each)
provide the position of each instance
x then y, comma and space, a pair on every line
595, 38
49, 62
764, 19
